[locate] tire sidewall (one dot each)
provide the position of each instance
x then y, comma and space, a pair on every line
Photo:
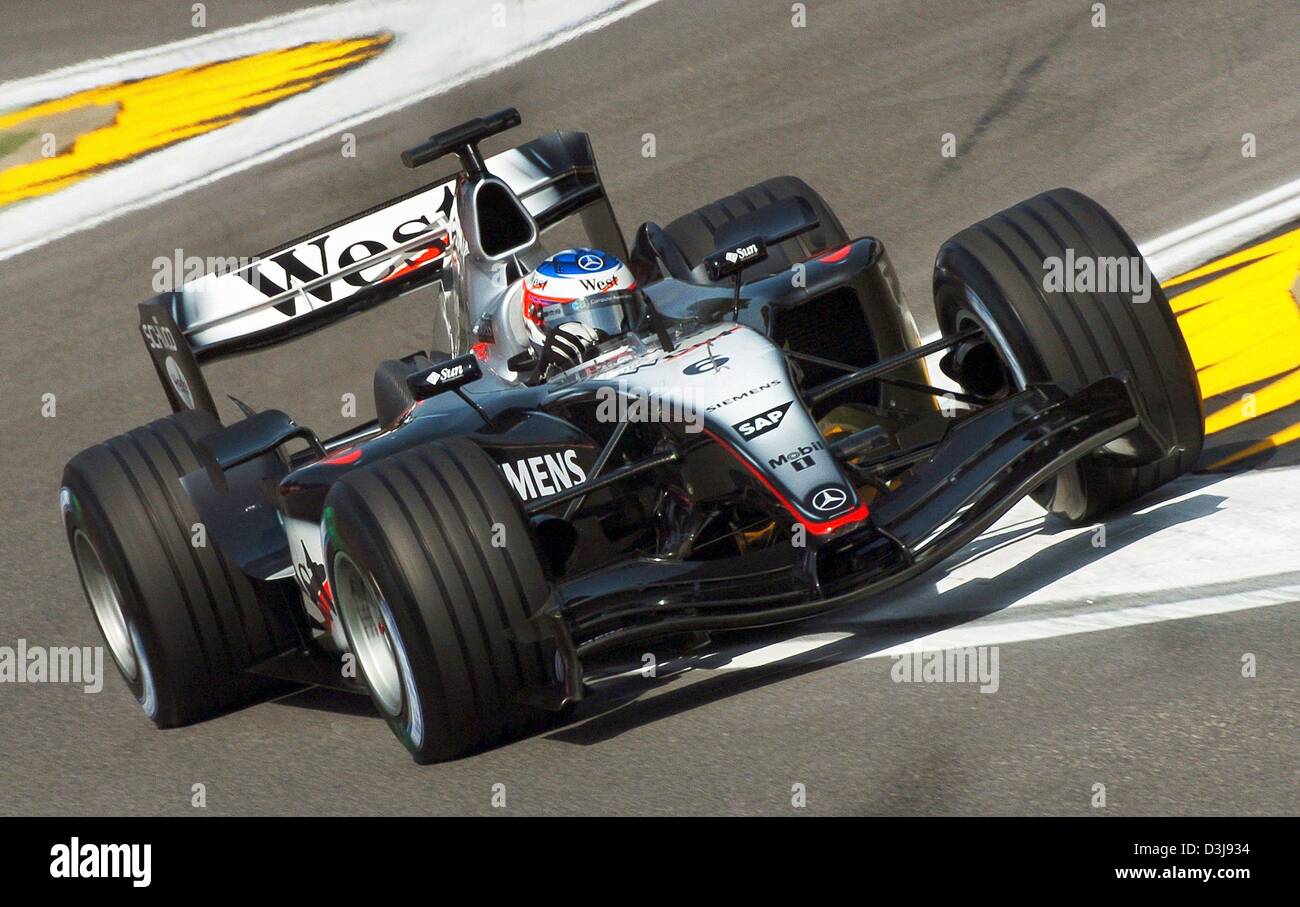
955, 283
81, 512
353, 532
954, 287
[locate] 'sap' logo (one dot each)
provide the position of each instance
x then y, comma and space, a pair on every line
764, 422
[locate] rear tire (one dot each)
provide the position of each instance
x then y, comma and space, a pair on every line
992, 274
435, 611
181, 622
695, 233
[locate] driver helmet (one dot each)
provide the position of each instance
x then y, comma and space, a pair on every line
566, 277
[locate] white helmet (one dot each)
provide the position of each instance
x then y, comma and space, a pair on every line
564, 278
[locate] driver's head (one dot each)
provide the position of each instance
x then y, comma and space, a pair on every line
564, 278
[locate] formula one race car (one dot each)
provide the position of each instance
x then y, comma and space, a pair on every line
730, 425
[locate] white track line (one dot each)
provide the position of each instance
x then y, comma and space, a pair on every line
1230, 530
205, 47
998, 633
430, 55
1198, 242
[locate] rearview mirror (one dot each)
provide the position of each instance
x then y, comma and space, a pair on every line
444, 376
734, 259
744, 241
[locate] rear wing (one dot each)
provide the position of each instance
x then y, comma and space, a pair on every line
357, 263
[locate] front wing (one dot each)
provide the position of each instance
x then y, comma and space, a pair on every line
987, 462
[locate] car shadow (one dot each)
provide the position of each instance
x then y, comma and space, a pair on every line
324, 699
627, 700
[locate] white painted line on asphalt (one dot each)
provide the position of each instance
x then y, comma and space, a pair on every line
1203, 529
432, 52
1208, 530
1183, 249
1000, 633
204, 47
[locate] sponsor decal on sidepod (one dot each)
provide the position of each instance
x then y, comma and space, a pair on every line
535, 477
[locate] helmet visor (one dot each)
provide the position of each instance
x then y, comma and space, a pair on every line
613, 313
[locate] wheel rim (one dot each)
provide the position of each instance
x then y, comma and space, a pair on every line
105, 603
975, 313
367, 618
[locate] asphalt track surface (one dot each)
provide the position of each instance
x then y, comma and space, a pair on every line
1146, 115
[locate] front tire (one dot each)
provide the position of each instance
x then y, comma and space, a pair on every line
992, 275
436, 575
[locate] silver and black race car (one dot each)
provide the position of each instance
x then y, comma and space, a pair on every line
748, 433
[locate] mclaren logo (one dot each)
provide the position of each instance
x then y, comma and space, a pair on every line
536, 477
764, 422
